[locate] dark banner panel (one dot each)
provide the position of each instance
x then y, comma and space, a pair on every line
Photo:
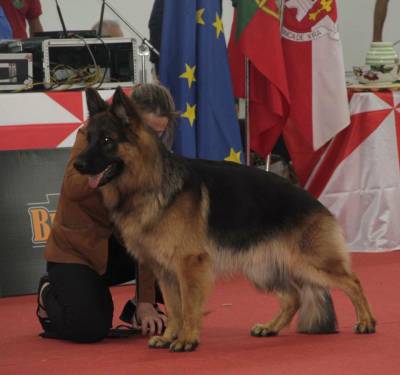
30, 182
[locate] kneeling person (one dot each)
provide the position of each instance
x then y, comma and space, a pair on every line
85, 255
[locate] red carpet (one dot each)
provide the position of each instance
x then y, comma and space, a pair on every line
226, 347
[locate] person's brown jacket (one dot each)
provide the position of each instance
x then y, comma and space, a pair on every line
81, 227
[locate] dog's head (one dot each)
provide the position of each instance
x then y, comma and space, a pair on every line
108, 127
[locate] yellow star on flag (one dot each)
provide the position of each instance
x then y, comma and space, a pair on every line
199, 16
190, 113
219, 27
313, 16
233, 156
189, 74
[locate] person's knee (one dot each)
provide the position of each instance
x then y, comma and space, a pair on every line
88, 328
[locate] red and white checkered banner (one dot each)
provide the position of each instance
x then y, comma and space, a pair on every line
358, 175
42, 120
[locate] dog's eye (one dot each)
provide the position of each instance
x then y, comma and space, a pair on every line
107, 140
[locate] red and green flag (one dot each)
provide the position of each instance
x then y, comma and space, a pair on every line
256, 35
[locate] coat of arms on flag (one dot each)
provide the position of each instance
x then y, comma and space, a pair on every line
302, 7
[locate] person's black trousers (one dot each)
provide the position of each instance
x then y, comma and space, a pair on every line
78, 301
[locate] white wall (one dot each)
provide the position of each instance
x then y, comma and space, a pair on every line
83, 14
355, 18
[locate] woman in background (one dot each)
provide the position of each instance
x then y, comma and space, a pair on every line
380, 13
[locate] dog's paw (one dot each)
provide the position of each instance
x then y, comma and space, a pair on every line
262, 330
183, 345
159, 342
367, 326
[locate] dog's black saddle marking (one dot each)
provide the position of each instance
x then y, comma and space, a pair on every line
248, 205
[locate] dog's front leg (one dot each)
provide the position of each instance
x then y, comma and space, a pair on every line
172, 301
195, 279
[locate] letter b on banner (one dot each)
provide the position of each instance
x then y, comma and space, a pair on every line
41, 221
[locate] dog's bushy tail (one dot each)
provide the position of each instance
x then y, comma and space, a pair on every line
316, 313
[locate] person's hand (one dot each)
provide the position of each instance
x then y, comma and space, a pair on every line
148, 319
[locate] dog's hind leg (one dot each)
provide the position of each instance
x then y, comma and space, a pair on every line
325, 263
289, 304
195, 278
332, 270
172, 301
317, 313
350, 284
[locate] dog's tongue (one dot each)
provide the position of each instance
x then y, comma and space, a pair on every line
95, 180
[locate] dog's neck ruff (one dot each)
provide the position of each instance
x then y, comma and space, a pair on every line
156, 184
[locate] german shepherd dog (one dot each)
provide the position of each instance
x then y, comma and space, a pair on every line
191, 219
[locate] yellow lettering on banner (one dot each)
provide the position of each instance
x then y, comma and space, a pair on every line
52, 216
41, 223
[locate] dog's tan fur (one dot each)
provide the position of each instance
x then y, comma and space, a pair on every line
174, 238
185, 260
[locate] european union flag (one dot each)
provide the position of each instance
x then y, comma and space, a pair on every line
194, 66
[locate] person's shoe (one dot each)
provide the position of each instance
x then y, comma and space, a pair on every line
128, 313
123, 331
44, 321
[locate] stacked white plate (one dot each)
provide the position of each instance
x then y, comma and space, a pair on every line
381, 53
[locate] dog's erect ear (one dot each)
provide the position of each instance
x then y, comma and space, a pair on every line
94, 102
123, 107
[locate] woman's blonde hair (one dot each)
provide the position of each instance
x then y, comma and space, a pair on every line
156, 98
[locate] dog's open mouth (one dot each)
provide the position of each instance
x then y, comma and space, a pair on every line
101, 178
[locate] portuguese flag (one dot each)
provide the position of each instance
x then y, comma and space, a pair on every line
256, 35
